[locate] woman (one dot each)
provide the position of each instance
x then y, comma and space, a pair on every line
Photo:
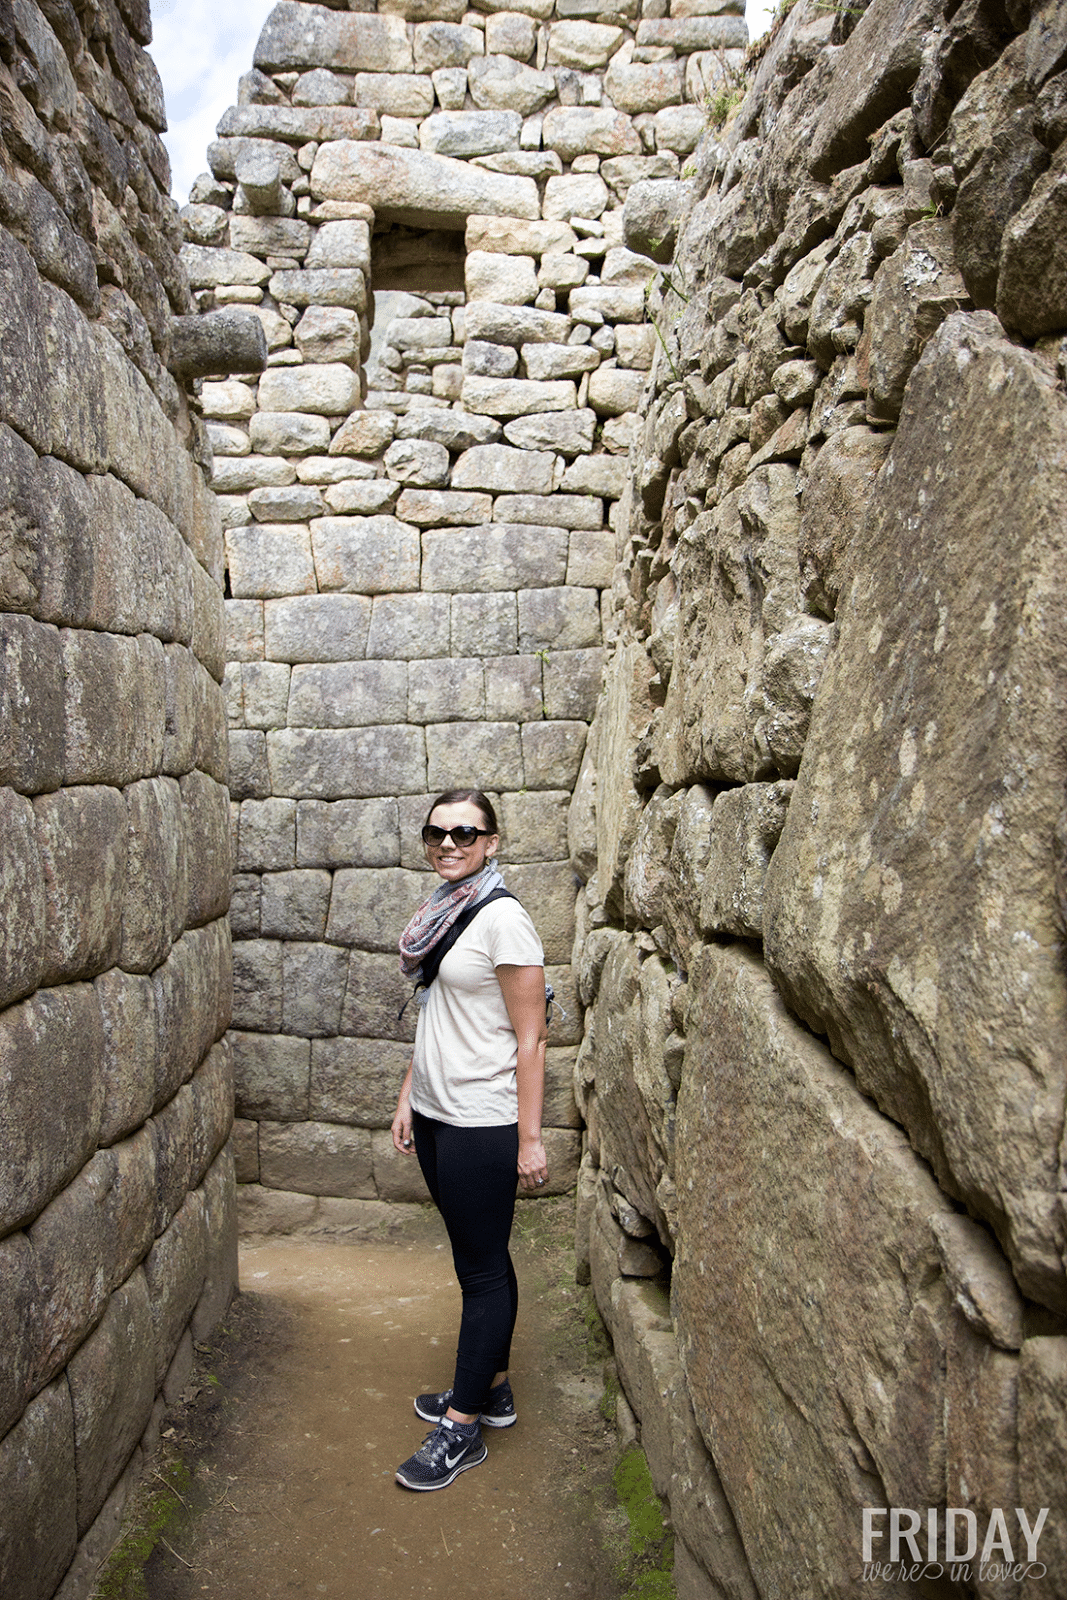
470, 1108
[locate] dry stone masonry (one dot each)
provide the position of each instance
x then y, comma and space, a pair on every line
419, 531
117, 1211
821, 821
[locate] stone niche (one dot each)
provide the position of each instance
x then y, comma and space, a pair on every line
118, 1224
420, 512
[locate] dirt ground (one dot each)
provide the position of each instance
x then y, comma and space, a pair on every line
284, 1459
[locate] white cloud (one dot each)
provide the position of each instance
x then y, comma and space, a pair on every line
202, 47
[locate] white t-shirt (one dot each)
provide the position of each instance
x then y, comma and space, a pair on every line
465, 1046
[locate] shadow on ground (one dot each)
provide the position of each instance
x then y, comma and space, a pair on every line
281, 1464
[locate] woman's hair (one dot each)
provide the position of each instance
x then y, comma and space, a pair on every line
452, 797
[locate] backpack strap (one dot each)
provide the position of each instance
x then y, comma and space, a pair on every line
431, 961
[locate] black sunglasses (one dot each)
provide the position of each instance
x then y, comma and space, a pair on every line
462, 834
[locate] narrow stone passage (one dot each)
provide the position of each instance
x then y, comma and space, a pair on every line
295, 1495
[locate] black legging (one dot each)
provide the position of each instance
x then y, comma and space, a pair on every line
471, 1174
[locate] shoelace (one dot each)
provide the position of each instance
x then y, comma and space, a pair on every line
438, 1442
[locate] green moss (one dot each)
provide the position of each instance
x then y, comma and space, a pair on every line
155, 1511
649, 1573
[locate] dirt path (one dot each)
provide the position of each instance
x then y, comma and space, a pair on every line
293, 1447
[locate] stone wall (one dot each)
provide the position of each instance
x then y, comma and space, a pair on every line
417, 554
117, 1221
821, 817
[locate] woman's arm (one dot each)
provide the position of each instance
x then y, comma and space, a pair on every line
523, 989
402, 1139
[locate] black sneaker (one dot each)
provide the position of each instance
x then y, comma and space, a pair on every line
450, 1449
499, 1408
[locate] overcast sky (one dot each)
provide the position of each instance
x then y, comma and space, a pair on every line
201, 48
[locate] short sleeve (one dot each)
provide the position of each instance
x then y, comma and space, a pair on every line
510, 936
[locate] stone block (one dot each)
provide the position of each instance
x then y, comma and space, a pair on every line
516, 397
23, 933
193, 991
615, 390
637, 87
21, 1322
914, 291
376, 991
346, 763
746, 826
572, 680
449, 688
634, 346
396, 1177
595, 475
257, 978
439, 508
568, 432
552, 753
352, 694
515, 325
1042, 1387
553, 361
513, 688
504, 279
155, 891
395, 94
862, 1183
364, 433
174, 1270
264, 693
32, 710
561, 274
370, 908
492, 750
615, 302
317, 1158
547, 890
290, 433
328, 389
102, 670
208, 268
496, 556
112, 1387
328, 333
558, 510
559, 619
205, 805
220, 1221
685, 35
515, 236
362, 497
500, 469
419, 462
499, 82
249, 778
342, 42
582, 45
417, 187
591, 559
313, 978
454, 429
317, 628
445, 44
510, 33
357, 1080
238, 474
271, 1075
294, 904
82, 841
268, 561
245, 1143
38, 1487
470, 133
406, 627
344, 832
88, 1240
533, 826
579, 194
128, 1014
370, 555
244, 905
484, 624
942, 1056
838, 489
322, 286
267, 835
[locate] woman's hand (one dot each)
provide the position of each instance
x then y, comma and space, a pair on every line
533, 1164
403, 1138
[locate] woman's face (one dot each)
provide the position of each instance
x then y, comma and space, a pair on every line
452, 861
